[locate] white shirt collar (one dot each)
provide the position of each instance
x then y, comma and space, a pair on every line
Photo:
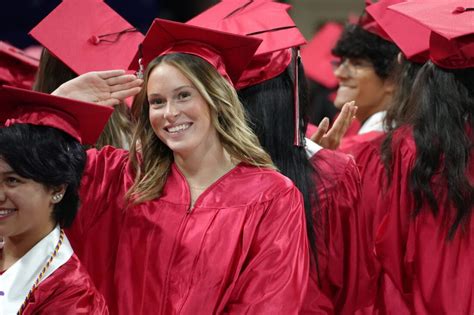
373, 123
16, 281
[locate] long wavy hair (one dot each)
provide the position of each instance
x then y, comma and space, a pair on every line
52, 72
443, 130
270, 110
400, 111
152, 159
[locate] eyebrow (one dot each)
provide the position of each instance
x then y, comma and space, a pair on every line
174, 90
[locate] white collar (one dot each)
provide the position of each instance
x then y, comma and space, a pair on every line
373, 123
311, 147
17, 280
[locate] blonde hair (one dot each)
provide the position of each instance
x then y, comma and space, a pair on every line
227, 116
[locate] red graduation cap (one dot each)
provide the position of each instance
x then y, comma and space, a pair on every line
410, 36
268, 21
83, 121
452, 29
262, 19
88, 35
368, 23
16, 68
228, 53
317, 56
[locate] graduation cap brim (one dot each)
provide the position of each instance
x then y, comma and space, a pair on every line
262, 19
83, 121
164, 37
451, 43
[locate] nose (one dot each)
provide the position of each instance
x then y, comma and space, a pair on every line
171, 112
341, 71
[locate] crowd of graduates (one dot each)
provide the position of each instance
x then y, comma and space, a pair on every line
226, 166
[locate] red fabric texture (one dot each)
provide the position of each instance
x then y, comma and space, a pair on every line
69, 290
241, 249
336, 227
413, 268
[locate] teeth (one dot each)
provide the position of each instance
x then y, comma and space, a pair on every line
4, 212
178, 128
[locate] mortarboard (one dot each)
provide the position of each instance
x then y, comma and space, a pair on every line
317, 56
228, 53
83, 121
368, 23
262, 19
268, 21
452, 29
16, 68
410, 36
88, 35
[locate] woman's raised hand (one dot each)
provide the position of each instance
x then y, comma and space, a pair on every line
101, 87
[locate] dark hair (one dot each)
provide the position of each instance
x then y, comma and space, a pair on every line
270, 111
52, 72
400, 111
47, 156
355, 42
443, 133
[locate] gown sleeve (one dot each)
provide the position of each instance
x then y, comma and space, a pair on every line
275, 272
340, 273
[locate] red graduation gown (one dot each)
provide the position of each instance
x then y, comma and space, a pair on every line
337, 241
241, 249
68, 291
422, 272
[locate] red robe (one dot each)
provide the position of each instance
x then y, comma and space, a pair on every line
336, 227
241, 249
422, 272
68, 291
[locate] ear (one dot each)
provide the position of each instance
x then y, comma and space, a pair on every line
57, 193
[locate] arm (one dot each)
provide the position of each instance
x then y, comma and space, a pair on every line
102, 87
275, 273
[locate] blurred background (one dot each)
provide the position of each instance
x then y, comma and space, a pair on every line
18, 17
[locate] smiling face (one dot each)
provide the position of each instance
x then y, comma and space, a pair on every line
178, 113
25, 205
358, 82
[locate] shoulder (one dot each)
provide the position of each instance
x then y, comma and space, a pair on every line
332, 167
66, 289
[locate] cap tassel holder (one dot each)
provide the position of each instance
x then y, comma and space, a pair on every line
459, 10
97, 39
297, 136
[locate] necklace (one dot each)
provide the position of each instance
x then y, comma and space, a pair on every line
43, 271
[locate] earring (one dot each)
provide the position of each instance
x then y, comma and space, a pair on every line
57, 198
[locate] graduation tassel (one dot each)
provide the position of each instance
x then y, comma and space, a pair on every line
140, 71
297, 136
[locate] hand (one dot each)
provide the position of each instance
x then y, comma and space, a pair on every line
101, 87
332, 138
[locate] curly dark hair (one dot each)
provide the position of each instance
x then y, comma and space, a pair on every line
50, 157
355, 42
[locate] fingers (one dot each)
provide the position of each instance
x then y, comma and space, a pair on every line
108, 73
123, 94
125, 86
322, 129
121, 79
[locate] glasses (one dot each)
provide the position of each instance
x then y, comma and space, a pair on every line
351, 65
